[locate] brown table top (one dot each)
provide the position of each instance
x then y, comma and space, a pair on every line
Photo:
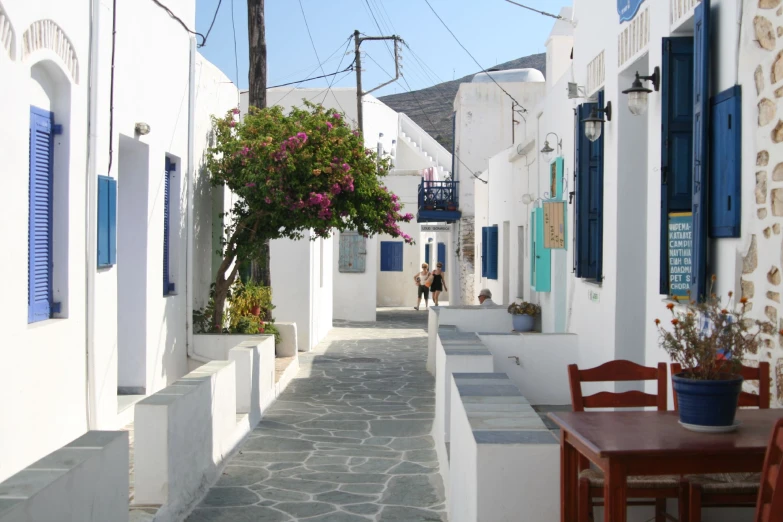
622, 433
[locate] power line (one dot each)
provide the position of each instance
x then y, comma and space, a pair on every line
311, 72
332, 81
347, 69
556, 17
178, 19
214, 17
311, 37
472, 57
234, 30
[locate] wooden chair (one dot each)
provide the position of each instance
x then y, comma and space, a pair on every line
769, 505
729, 489
591, 481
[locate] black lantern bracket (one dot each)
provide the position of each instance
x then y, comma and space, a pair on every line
637, 85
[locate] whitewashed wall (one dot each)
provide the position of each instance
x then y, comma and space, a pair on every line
44, 384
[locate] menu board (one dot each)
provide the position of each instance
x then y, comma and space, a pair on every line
554, 225
680, 243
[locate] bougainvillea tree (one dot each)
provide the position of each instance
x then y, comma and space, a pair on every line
306, 170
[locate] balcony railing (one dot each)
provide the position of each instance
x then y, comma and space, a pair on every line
438, 195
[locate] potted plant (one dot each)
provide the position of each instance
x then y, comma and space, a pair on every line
451, 205
523, 315
710, 340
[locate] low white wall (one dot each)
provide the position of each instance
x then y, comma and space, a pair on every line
542, 372
84, 481
255, 377
199, 409
217, 346
288, 345
495, 319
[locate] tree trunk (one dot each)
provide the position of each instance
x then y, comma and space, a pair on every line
257, 98
256, 33
222, 286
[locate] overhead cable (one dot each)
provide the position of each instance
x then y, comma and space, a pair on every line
347, 69
184, 26
556, 17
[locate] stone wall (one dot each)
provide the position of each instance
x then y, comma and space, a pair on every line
762, 52
467, 253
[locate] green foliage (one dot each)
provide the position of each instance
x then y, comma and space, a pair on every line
303, 171
203, 318
243, 298
246, 296
524, 308
705, 332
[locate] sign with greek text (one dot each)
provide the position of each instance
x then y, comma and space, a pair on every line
680, 243
435, 228
554, 225
627, 9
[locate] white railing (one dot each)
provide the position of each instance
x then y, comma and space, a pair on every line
681, 9
427, 143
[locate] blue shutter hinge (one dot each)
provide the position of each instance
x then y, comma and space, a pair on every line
57, 128
55, 308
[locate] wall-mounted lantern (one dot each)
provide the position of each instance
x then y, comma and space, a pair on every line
142, 129
638, 93
547, 150
595, 122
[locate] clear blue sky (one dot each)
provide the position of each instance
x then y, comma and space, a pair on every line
494, 31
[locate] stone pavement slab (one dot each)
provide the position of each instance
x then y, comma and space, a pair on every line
348, 441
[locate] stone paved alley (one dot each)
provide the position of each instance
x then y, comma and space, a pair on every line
348, 441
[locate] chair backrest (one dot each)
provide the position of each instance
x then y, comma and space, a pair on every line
770, 499
614, 371
749, 373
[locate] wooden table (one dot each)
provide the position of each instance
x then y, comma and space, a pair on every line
627, 443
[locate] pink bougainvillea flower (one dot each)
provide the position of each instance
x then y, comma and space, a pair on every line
394, 197
235, 111
356, 133
250, 184
336, 115
232, 124
346, 167
336, 189
302, 136
268, 200
244, 151
329, 125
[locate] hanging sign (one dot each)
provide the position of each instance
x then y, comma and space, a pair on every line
627, 9
556, 178
554, 224
680, 243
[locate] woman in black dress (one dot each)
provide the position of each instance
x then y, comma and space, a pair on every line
438, 283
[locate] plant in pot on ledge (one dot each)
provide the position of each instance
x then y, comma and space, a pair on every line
710, 340
523, 315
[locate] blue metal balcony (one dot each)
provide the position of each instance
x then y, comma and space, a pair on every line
438, 202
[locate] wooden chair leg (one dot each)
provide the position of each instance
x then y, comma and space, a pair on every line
585, 511
683, 502
660, 510
694, 503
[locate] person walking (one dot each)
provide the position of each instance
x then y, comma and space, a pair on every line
423, 281
438, 283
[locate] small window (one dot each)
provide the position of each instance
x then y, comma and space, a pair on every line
442, 255
168, 286
107, 221
391, 256
489, 250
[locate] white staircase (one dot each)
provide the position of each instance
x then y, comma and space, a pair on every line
433, 152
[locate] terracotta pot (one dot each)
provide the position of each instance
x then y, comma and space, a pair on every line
256, 310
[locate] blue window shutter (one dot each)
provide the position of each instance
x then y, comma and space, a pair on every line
725, 155
166, 218
676, 140
107, 221
391, 256
492, 252
442, 255
701, 96
353, 253
543, 280
484, 239
427, 250
582, 189
589, 199
39, 277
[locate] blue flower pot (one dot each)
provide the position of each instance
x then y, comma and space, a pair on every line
523, 323
707, 403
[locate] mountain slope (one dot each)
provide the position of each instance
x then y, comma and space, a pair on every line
431, 108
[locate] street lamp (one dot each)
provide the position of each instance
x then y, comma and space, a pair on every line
547, 150
595, 122
638, 93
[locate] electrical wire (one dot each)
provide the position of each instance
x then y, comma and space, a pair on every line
236, 58
471, 56
184, 26
347, 69
556, 17
214, 17
332, 81
311, 72
320, 64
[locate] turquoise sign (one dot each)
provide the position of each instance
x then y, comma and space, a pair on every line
627, 9
680, 247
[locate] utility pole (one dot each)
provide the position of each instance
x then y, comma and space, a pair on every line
357, 39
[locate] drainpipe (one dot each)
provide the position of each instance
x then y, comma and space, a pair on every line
189, 207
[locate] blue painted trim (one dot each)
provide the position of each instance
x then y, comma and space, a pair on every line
438, 216
627, 9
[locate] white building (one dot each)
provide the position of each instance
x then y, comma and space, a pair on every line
629, 195
114, 109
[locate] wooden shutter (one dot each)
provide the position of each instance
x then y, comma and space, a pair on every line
725, 159
442, 255
427, 250
582, 189
391, 256
676, 140
170, 167
107, 221
543, 256
492, 252
39, 276
589, 199
353, 253
484, 239
701, 96
533, 265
